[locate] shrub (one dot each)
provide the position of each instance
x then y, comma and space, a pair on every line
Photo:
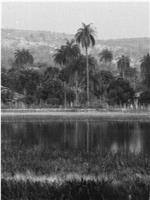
144, 98
120, 92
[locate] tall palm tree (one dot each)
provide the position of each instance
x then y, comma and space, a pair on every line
77, 70
85, 37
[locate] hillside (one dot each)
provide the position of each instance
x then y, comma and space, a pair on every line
42, 45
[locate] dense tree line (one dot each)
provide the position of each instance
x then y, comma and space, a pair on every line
77, 79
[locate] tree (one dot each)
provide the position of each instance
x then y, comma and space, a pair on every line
51, 73
145, 70
72, 50
131, 75
66, 53
123, 64
102, 80
13, 80
4, 77
106, 56
23, 57
77, 71
6, 95
52, 89
120, 92
85, 37
59, 56
144, 98
23, 80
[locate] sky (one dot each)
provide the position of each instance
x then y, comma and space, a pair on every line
110, 19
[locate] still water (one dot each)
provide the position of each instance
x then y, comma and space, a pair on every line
78, 135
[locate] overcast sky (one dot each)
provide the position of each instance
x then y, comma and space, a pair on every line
111, 20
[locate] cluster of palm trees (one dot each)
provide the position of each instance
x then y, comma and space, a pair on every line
68, 53
79, 73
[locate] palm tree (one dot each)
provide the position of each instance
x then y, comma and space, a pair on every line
23, 57
123, 64
85, 37
77, 70
145, 70
101, 81
59, 56
72, 50
106, 56
66, 54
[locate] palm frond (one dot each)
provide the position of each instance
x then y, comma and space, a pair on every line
85, 36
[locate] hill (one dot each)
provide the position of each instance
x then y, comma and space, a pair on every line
42, 45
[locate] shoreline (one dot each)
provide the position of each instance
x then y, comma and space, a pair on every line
86, 113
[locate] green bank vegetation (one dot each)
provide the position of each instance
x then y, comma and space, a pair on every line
113, 176
76, 79
50, 161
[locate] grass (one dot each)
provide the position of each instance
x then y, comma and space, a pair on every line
75, 190
111, 176
26, 173
49, 161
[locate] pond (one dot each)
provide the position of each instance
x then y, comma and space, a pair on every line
77, 135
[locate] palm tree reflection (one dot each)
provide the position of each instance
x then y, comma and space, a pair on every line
87, 136
136, 141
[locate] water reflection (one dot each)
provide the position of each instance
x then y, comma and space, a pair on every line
95, 136
136, 141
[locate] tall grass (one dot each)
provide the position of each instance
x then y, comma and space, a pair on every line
126, 176
43, 161
75, 190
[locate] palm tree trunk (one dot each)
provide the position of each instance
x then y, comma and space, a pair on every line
65, 134
65, 101
76, 134
123, 75
76, 92
87, 137
87, 76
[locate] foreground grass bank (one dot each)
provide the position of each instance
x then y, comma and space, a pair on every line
76, 190
42, 161
26, 175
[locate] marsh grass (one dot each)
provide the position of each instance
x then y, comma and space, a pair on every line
118, 176
75, 190
123, 176
40, 161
